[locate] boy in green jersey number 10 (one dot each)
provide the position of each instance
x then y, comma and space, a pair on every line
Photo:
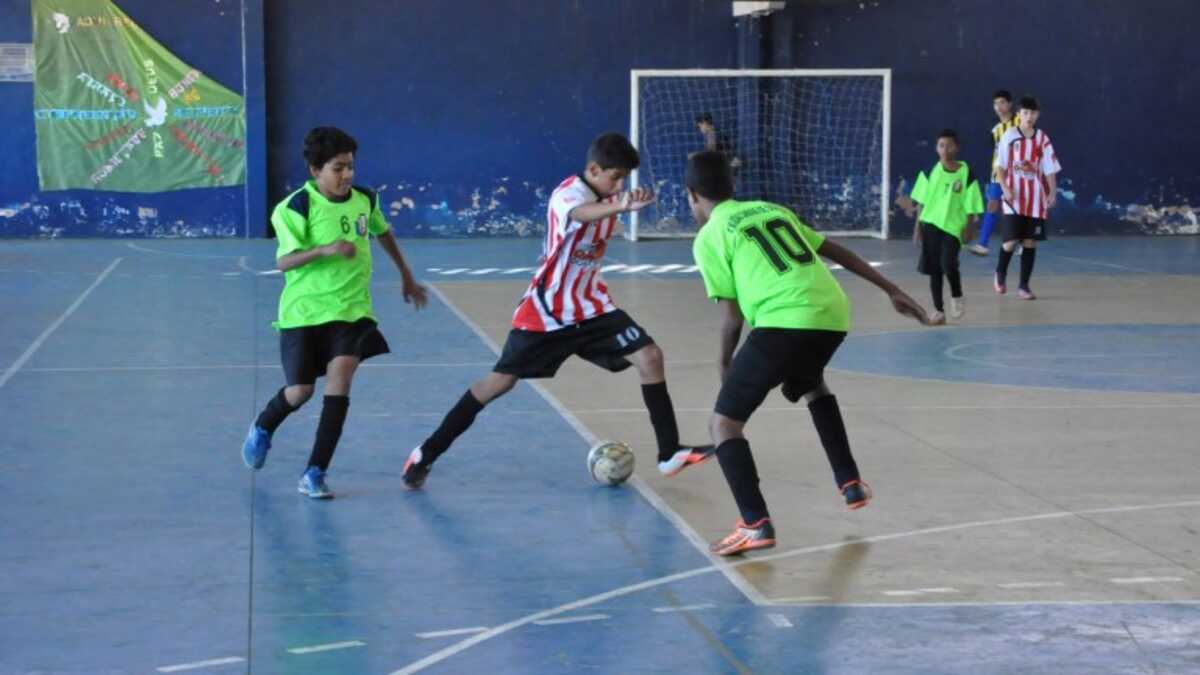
948, 202
326, 322
761, 265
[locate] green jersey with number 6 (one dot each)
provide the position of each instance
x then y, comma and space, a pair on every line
763, 257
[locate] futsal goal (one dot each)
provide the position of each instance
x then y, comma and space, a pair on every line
816, 141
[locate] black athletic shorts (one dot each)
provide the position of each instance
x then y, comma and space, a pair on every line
307, 351
604, 340
939, 250
1023, 227
770, 357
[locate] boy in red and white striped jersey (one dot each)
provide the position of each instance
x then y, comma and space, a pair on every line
1027, 169
567, 311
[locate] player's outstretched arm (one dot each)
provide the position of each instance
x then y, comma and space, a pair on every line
901, 302
731, 332
413, 292
301, 258
634, 200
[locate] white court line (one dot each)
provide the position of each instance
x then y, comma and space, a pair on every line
612, 268
518, 270
456, 270
803, 599
41, 339
486, 270
739, 582
685, 608
241, 263
635, 268
452, 631
921, 591
234, 366
332, 646
1105, 264
463, 645
779, 620
1146, 580
664, 268
1032, 584
200, 664
952, 353
572, 619
213, 256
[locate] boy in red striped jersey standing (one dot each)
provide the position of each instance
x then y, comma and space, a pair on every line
1028, 172
566, 311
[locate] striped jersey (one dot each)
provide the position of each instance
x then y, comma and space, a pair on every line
1027, 162
567, 287
998, 132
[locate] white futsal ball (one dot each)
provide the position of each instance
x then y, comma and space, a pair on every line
610, 462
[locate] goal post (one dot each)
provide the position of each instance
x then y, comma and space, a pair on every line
816, 141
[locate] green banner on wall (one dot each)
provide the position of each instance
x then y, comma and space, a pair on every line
115, 110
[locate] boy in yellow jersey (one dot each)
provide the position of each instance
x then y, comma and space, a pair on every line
326, 322
760, 263
948, 201
1002, 105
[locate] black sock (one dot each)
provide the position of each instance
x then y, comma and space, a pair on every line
329, 430
827, 417
458, 420
935, 289
275, 413
662, 418
1027, 257
742, 475
955, 279
1002, 263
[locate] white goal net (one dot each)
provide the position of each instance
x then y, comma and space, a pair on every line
815, 141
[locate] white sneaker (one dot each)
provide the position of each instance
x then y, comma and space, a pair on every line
958, 307
685, 457
937, 319
977, 249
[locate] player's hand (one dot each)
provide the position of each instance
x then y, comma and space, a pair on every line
414, 294
341, 247
1008, 195
638, 199
905, 305
916, 233
1051, 200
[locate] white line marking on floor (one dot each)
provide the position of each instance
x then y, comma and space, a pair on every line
270, 366
143, 249
664, 268
41, 339
613, 268
685, 608
463, 645
921, 591
871, 263
231, 274
200, 664
452, 631
779, 620
737, 580
327, 647
800, 599
456, 270
518, 270
636, 268
572, 619
689, 268
1146, 580
1032, 584
485, 270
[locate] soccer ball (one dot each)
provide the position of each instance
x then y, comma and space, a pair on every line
610, 462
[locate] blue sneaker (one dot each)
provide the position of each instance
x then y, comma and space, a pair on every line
254, 449
312, 483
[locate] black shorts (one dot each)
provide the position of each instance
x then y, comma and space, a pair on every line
307, 351
604, 340
939, 250
770, 357
1023, 227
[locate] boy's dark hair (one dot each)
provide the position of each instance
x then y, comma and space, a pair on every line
708, 175
324, 143
1004, 94
949, 133
613, 151
1028, 103
704, 118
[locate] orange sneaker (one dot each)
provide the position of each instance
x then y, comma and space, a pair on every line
686, 457
746, 538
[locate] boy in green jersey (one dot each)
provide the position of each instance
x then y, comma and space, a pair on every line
761, 265
948, 201
326, 323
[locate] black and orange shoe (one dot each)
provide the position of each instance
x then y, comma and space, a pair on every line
857, 494
686, 457
415, 472
746, 538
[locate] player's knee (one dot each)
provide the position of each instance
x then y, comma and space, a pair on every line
1029, 243
820, 391
493, 386
650, 360
722, 428
298, 394
1009, 246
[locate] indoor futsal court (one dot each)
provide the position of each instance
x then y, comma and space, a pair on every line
1033, 503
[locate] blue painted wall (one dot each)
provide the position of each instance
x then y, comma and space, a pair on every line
469, 113
204, 33
1117, 82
